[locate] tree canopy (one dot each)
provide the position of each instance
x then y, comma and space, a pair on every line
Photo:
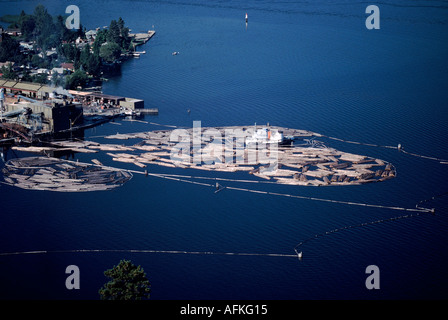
76, 79
110, 51
128, 282
9, 49
49, 32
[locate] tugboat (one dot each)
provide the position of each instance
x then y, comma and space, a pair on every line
266, 135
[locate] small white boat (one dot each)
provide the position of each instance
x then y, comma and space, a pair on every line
175, 53
246, 17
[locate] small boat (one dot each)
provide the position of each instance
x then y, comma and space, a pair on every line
175, 53
128, 112
246, 17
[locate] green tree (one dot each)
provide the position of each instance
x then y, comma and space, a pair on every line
8, 72
41, 78
27, 76
57, 80
114, 32
120, 23
44, 27
110, 51
76, 79
70, 51
124, 39
89, 61
61, 30
100, 38
9, 49
39, 62
128, 282
93, 66
27, 24
84, 56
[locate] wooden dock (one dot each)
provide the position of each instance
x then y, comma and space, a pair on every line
141, 38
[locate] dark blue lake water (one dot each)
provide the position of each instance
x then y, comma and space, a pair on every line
302, 65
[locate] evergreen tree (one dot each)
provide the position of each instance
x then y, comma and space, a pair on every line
8, 72
101, 37
93, 66
110, 51
28, 26
44, 27
113, 34
57, 80
9, 49
84, 57
78, 78
40, 78
120, 23
70, 51
128, 282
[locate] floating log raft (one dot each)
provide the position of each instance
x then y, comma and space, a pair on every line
310, 163
306, 162
53, 174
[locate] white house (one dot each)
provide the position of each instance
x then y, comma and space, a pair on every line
43, 70
91, 35
57, 70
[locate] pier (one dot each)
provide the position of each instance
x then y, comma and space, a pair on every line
142, 38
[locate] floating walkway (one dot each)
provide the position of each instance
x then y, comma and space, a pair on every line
398, 147
364, 224
148, 251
